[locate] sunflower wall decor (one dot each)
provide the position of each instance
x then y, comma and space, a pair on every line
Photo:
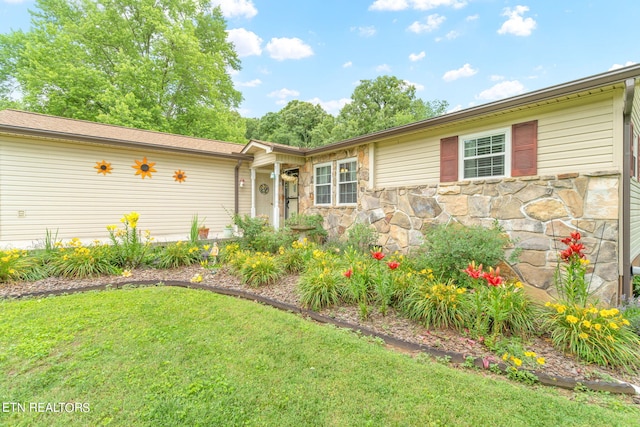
144, 168
179, 176
103, 167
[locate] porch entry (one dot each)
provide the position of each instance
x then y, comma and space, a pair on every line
275, 195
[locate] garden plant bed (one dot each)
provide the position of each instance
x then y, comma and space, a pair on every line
559, 369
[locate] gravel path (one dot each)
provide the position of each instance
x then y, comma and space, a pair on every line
557, 364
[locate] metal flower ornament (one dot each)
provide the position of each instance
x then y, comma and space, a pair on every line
103, 167
144, 168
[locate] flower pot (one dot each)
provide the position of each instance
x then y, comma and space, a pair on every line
203, 233
227, 232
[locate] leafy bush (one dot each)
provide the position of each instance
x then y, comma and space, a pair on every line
260, 269
448, 249
251, 228
362, 237
320, 287
270, 240
178, 254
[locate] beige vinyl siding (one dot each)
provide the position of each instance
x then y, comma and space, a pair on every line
574, 135
57, 187
244, 193
261, 158
635, 185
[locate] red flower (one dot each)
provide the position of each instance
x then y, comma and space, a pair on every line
472, 271
574, 247
575, 235
493, 277
393, 264
377, 255
348, 273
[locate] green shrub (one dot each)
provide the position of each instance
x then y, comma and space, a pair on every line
260, 268
250, 228
270, 240
448, 249
320, 287
361, 237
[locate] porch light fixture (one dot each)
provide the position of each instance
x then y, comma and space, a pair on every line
273, 175
241, 183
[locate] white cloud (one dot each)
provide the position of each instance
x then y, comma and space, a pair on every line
283, 93
432, 23
516, 24
454, 109
288, 48
496, 78
501, 90
384, 68
365, 31
389, 5
250, 83
418, 86
347, 64
464, 71
450, 36
233, 8
417, 56
616, 66
331, 107
395, 5
472, 17
247, 43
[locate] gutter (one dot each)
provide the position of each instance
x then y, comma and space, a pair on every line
236, 188
624, 287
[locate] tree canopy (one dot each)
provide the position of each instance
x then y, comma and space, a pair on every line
150, 64
378, 104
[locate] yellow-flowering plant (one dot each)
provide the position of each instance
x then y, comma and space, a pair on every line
129, 246
14, 264
595, 335
436, 303
260, 268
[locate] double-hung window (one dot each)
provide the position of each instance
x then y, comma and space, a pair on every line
347, 182
322, 173
486, 154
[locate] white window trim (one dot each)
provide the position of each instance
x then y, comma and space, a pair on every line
315, 184
338, 182
507, 154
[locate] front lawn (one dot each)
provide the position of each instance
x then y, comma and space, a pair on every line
173, 356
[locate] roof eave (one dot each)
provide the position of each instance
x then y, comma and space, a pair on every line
22, 131
565, 89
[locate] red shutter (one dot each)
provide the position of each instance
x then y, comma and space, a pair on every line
524, 149
449, 159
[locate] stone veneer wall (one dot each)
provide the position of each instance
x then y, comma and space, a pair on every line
536, 212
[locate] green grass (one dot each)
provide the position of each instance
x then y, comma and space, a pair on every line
163, 356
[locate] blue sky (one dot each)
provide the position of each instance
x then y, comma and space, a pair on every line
467, 52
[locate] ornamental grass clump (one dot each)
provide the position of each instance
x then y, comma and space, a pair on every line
578, 324
260, 268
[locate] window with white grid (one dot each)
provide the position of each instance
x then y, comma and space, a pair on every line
485, 155
347, 182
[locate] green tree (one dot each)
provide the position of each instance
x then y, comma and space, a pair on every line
151, 64
299, 124
380, 104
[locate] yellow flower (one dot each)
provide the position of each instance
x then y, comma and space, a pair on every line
561, 308
597, 327
6, 258
529, 354
625, 322
586, 324
505, 356
583, 335
126, 273
547, 304
540, 360
111, 227
584, 261
572, 319
12, 271
614, 325
517, 361
197, 278
518, 285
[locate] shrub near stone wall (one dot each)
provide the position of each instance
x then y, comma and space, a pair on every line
535, 211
